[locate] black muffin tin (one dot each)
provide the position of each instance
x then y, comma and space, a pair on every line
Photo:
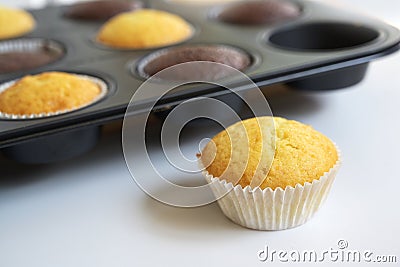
324, 48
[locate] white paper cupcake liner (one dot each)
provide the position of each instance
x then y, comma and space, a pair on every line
103, 91
54, 50
31, 45
269, 209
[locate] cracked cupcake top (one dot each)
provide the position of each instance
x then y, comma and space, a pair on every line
247, 152
48, 92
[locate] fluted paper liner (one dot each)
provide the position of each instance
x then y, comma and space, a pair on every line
31, 45
269, 209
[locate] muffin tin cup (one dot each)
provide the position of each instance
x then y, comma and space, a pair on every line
323, 36
331, 80
54, 147
269, 209
59, 146
54, 50
103, 92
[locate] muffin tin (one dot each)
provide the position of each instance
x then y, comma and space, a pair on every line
324, 48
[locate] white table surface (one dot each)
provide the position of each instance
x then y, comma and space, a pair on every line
89, 212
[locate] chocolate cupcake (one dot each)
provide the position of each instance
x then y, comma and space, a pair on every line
259, 12
26, 54
100, 10
223, 54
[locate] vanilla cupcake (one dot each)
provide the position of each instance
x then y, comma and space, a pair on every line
273, 173
15, 22
145, 28
48, 93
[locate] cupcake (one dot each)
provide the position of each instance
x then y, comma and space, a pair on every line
223, 54
259, 12
100, 10
144, 28
48, 93
29, 53
270, 173
14, 22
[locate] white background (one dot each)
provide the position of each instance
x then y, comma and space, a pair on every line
89, 212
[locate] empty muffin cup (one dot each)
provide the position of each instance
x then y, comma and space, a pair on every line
323, 36
328, 37
259, 12
163, 59
100, 10
28, 53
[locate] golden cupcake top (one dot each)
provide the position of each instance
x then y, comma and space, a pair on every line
48, 92
144, 28
15, 22
273, 152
